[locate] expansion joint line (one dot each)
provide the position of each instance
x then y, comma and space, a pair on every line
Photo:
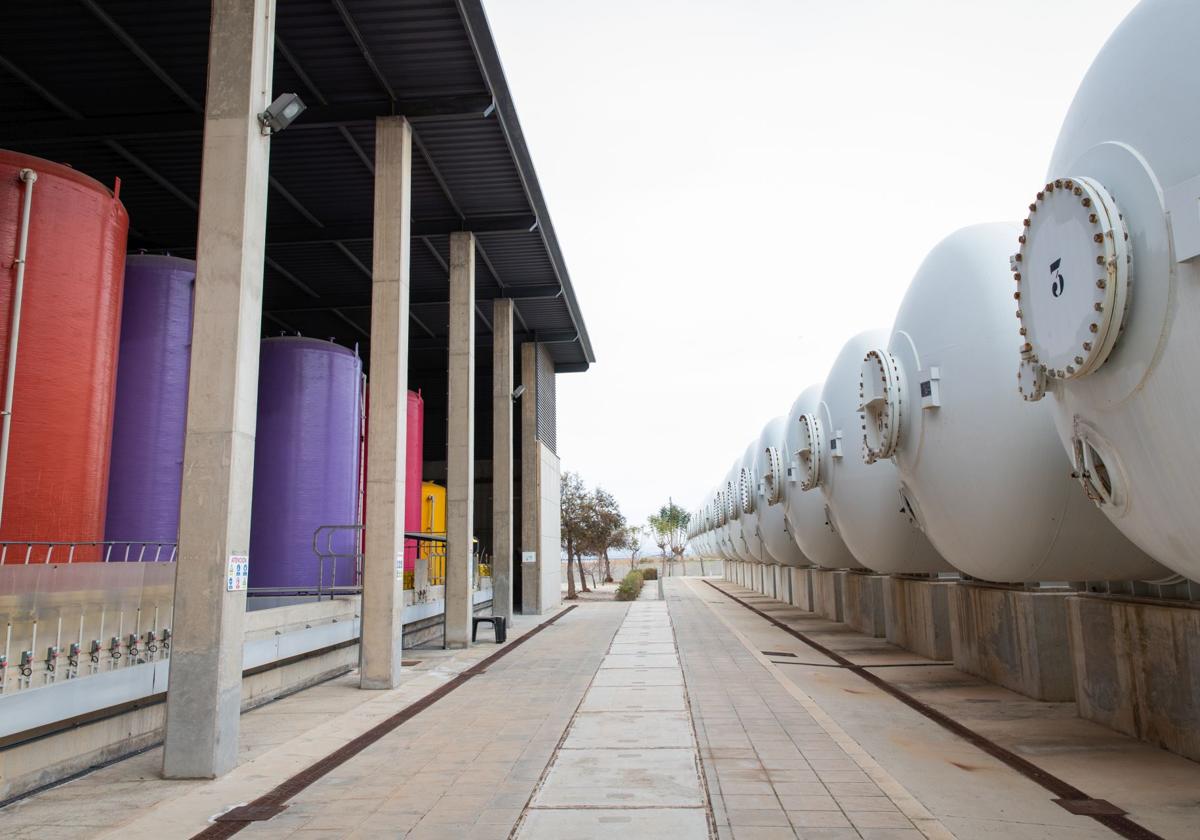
1066, 792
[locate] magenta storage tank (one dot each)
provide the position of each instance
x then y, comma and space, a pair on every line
150, 418
306, 456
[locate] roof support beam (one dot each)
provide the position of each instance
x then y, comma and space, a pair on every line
189, 122
427, 297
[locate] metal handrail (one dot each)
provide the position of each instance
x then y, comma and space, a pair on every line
125, 549
328, 533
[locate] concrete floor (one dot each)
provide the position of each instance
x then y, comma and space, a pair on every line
680, 718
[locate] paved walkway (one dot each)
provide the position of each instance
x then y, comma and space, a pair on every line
685, 718
629, 765
777, 766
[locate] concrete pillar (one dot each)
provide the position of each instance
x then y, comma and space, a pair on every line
918, 616
205, 695
460, 443
827, 594
383, 561
502, 458
531, 573
863, 603
1013, 637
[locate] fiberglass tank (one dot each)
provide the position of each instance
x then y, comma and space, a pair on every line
1108, 271
807, 454
981, 473
770, 489
864, 499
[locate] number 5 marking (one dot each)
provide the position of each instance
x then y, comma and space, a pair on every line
1059, 283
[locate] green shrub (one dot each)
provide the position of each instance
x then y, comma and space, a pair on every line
649, 573
630, 586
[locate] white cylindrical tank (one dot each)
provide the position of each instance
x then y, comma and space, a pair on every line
807, 453
1108, 270
981, 473
747, 500
737, 546
865, 499
771, 488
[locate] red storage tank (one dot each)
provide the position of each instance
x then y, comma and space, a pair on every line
56, 483
414, 466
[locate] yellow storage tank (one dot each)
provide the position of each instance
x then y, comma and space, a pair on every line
433, 521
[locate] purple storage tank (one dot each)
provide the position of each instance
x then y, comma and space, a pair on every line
306, 457
150, 418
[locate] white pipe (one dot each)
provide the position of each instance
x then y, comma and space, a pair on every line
29, 177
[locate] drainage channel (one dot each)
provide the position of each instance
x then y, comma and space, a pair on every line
275, 800
1068, 796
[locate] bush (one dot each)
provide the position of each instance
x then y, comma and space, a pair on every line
630, 586
650, 573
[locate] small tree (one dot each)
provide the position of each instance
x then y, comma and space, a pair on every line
661, 530
633, 542
573, 505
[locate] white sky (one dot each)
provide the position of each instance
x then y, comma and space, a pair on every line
739, 187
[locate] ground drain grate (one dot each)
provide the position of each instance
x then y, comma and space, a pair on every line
250, 813
408, 663
1091, 807
777, 653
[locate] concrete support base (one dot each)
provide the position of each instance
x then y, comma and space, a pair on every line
862, 603
917, 616
801, 589
1136, 670
827, 594
1014, 638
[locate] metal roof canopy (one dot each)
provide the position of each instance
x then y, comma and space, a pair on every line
115, 88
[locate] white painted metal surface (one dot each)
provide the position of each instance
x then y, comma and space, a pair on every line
868, 507
770, 488
807, 459
1128, 420
984, 473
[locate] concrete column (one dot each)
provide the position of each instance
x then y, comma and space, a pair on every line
205, 695
460, 442
502, 458
531, 574
387, 425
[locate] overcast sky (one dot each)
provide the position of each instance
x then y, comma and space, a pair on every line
739, 187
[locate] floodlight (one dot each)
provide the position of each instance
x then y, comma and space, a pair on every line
280, 113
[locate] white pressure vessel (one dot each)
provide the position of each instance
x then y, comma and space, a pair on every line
737, 545
981, 473
770, 491
868, 508
807, 452
1108, 270
747, 500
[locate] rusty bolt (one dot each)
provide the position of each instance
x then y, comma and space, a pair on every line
1094, 327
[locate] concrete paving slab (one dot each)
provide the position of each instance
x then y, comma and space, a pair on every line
626, 660
621, 730
615, 777
617, 677
675, 823
657, 698
641, 648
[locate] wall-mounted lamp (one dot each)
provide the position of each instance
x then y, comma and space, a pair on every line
280, 113
517, 392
